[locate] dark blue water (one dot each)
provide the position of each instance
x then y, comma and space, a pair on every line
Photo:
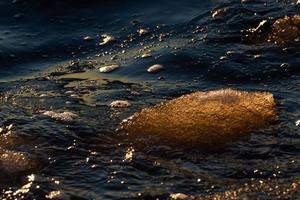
45, 64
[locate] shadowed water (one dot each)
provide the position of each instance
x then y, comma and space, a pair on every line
46, 65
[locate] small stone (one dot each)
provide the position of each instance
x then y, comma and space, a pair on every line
284, 66
119, 104
146, 55
15, 162
56, 194
135, 22
154, 68
108, 68
178, 196
69, 92
135, 93
106, 39
142, 31
298, 123
87, 38
285, 30
218, 13
53, 194
61, 116
257, 56
43, 95
10, 127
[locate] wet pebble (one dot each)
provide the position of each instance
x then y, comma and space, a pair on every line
57, 194
61, 116
155, 68
119, 104
87, 38
108, 68
142, 31
284, 66
106, 39
218, 13
14, 162
285, 30
146, 55
179, 196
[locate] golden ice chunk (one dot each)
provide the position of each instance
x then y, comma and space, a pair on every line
203, 118
15, 162
286, 29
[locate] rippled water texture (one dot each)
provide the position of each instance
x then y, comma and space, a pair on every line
58, 138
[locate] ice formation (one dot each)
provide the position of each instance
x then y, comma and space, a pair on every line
203, 118
285, 29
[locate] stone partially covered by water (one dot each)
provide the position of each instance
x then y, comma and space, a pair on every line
247, 191
106, 39
119, 104
154, 68
204, 118
61, 116
108, 68
13, 162
285, 29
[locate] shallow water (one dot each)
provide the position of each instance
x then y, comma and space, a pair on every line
45, 64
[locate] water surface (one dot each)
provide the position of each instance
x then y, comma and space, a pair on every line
45, 64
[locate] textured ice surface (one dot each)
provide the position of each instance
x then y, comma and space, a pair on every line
204, 118
61, 116
285, 29
269, 188
13, 162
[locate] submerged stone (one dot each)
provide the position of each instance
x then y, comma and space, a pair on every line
270, 188
108, 68
146, 55
154, 68
285, 29
282, 31
180, 196
57, 194
61, 116
106, 39
203, 118
87, 38
218, 12
119, 104
142, 31
13, 162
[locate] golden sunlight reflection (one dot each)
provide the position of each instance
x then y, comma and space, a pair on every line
21, 192
53, 194
129, 154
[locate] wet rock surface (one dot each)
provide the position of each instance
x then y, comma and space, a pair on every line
204, 119
286, 29
268, 188
281, 31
